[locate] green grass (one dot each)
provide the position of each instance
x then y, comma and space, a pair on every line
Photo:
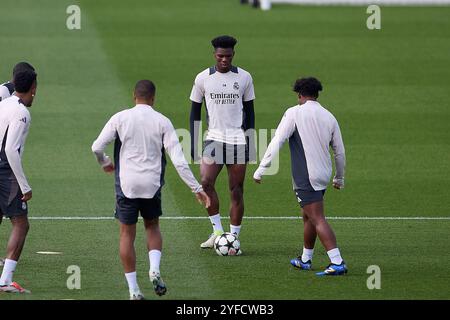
263, 272
389, 89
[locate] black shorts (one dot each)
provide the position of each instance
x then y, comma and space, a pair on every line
307, 197
224, 153
11, 204
127, 210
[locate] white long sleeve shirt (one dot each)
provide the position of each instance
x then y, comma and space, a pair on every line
141, 135
15, 122
311, 130
6, 90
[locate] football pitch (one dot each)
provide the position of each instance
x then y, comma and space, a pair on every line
388, 88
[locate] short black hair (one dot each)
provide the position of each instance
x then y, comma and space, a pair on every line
22, 66
145, 89
224, 42
23, 80
308, 87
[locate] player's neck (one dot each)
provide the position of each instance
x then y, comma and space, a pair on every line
226, 70
146, 102
305, 100
23, 98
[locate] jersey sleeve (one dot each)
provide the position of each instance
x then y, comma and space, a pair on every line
17, 134
284, 131
249, 93
173, 148
4, 93
198, 89
107, 135
337, 144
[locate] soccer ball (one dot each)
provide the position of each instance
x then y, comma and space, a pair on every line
227, 244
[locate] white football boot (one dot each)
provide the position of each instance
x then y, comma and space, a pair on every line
13, 288
158, 284
137, 296
209, 244
239, 252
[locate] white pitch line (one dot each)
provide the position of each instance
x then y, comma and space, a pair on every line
249, 218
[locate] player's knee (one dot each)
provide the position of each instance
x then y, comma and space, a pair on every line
151, 223
237, 192
312, 218
23, 227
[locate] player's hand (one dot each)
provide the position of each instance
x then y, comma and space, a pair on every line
338, 183
257, 176
27, 196
203, 198
109, 168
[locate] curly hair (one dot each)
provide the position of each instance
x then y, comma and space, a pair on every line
308, 87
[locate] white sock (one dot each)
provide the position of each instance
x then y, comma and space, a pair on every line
132, 283
335, 256
155, 259
8, 269
307, 254
216, 223
235, 229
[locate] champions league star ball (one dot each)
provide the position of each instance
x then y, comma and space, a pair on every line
227, 244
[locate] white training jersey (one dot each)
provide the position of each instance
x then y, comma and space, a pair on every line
6, 90
15, 122
224, 94
311, 130
141, 135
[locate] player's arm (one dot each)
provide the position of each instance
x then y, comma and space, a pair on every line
173, 148
249, 117
337, 144
247, 101
17, 132
108, 134
197, 94
195, 120
249, 127
284, 131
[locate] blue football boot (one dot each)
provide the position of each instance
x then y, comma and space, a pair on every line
334, 270
299, 264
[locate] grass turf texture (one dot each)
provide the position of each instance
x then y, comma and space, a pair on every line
388, 89
263, 272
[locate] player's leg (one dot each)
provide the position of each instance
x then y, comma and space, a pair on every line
20, 227
316, 217
236, 177
126, 247
209, 170
128, 258
209, 173
309, 235
12, 206
127, 213
304, 260
315, 213
2, 261
154, 245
